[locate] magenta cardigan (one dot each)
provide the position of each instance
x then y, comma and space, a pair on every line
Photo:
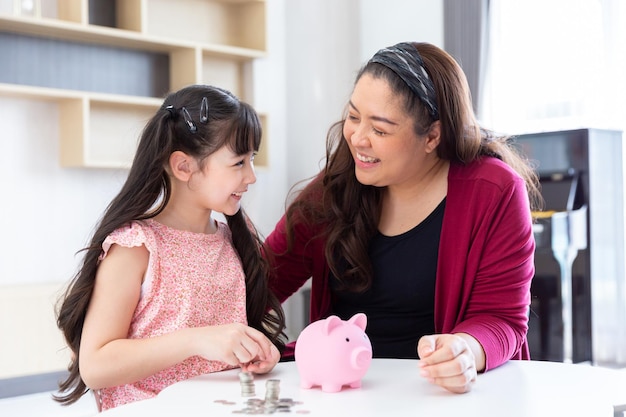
485, 266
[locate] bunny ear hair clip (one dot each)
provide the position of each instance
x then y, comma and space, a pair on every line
204, 114
204, 111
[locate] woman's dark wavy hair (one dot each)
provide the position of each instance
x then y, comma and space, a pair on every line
349, 211
146, 192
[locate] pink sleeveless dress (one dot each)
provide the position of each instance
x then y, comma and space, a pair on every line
192, 280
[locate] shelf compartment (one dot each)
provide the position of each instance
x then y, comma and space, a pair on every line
223, 73
113, 130
79, 66
95, 130
239, 23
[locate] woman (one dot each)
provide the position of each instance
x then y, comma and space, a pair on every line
421, 219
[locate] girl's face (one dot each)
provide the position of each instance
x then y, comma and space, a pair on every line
224, 179
386, 150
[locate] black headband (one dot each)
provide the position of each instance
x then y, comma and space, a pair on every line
405, 61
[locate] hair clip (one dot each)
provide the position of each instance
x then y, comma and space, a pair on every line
204, 111
192, 127
170, 109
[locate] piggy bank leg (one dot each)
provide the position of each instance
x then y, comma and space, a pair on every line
356, 384
331, 387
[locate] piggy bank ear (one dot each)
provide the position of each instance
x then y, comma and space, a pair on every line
330, 323
359, 320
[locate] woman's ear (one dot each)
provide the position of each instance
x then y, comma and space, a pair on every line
181, 165
433, 137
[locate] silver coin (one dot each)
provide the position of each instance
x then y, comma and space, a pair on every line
246, 376
254, 401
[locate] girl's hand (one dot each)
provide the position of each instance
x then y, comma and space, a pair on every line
448, 360
235, 344
259, 366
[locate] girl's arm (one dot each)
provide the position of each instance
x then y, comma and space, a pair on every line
108, 358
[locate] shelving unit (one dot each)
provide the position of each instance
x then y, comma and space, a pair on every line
113, 72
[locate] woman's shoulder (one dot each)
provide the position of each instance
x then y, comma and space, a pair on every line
487, 168
487, 182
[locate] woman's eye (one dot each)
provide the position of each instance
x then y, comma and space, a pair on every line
353, 118
378, 132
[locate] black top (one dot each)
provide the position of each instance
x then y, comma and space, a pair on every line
400, 304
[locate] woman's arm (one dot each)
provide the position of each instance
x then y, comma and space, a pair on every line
496, 312
291, 266
487, 323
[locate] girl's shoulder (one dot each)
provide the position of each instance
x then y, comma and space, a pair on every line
135, 233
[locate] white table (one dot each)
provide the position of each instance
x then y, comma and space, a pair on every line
394, 388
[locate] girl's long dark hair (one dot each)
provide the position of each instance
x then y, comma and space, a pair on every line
175, 126
349, 211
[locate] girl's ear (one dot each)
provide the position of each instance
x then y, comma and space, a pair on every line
181, 165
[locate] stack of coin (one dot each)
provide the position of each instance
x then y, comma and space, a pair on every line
272, 390
247, 384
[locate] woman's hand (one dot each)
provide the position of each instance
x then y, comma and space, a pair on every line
451, 361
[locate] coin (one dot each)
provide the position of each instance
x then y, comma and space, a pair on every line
247, 384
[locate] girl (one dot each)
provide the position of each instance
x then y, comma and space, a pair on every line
165, 292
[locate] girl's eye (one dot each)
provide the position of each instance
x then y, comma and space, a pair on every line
243, 161
352, 118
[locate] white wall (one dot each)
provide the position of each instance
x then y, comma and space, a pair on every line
48, 212
46, 215
327, 42
398, 21
264, 201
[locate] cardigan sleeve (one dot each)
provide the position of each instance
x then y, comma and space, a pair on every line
494, 261
291, 267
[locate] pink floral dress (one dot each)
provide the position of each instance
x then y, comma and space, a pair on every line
192, 280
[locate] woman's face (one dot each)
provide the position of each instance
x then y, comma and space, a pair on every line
381, 136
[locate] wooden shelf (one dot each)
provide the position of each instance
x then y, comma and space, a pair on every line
96, 130
261, 160
102, 35
192, 42
239, 24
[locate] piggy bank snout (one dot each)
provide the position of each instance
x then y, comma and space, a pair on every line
361, 358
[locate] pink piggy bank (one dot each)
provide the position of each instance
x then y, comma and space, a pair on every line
332, 353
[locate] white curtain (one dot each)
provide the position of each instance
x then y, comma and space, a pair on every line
555, 64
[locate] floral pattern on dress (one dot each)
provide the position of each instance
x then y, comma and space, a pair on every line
192, 280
